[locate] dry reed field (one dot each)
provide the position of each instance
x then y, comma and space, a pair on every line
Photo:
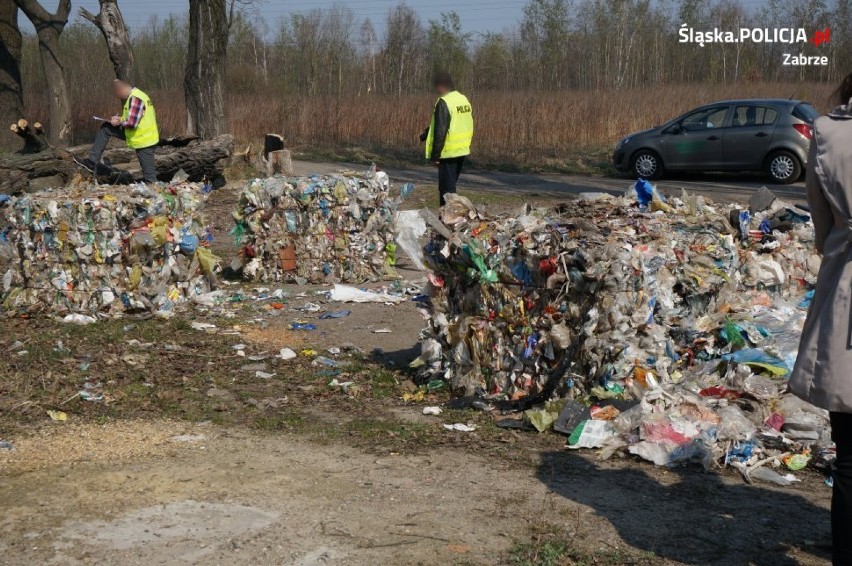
514, 129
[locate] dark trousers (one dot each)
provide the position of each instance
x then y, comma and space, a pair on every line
449, 171
145, 155
841, 499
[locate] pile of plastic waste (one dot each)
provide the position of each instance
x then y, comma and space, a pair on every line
104, 251
319, 229
664, 328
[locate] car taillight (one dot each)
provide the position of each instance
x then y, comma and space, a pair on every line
805, 129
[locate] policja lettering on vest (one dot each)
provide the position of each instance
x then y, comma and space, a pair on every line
460, 132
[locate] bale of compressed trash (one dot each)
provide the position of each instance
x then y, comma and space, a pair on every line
662, 328
319, 229
104, 251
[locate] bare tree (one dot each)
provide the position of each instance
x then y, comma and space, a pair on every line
11, 93
403, 43
48, 29
111, 23
204, 83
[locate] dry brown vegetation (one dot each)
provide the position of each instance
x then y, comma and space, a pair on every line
520, 129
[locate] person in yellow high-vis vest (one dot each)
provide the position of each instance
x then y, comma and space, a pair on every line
137, 126
450, 134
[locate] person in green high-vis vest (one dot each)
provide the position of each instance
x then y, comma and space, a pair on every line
137, 126
449, 135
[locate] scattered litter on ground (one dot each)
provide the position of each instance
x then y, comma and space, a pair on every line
434, 411
347, 294
287, 354
460, 427
335, 314
188, 438
57, 416
79, 319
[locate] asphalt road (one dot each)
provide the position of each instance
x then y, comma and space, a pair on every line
720, 187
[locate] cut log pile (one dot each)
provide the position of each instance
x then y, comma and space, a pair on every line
39, 166
35, 138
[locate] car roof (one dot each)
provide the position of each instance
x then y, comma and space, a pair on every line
775, 101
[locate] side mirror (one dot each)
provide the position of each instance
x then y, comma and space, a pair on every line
676, 129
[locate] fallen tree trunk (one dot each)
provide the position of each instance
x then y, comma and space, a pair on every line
22, 173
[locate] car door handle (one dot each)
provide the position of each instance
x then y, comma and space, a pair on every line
761, 135
713, 138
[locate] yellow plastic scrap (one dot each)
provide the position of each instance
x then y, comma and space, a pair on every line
57, 416
159, 230
206, 259
135, 277
173, 294
416, 397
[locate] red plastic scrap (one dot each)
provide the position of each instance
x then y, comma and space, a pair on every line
548, 266
775, 421
720, 392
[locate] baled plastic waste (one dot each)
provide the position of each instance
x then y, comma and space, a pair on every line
674, 323
319, 229
101, 251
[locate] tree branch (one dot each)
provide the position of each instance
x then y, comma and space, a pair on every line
87, 15
63, 10
34, 11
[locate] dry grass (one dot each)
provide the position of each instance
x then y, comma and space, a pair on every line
549, 129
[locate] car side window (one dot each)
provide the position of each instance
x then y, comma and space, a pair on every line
706, 119
747, 116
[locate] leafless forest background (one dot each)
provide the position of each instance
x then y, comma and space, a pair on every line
568, 80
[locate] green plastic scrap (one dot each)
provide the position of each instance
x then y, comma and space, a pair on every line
543, 419
486, 275
238, 232
733, 333
577, 433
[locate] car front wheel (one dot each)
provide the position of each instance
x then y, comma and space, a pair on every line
647, 164
783, 167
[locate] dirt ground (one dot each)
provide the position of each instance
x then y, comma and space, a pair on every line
193, 457
200, 494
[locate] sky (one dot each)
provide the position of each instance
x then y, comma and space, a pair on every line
476, 15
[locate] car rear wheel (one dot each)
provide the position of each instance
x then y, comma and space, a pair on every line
646, 164
783, 167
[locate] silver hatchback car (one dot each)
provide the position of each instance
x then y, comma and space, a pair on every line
771, 135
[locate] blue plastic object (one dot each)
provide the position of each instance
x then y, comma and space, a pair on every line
644, 192
188, 243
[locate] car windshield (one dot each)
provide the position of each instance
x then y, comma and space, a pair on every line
805, 112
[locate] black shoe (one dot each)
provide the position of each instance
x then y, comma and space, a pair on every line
86, 164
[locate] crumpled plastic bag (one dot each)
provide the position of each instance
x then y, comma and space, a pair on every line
410, 228
348, 294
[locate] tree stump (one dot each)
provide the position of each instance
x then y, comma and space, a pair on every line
35, 138
276, 159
